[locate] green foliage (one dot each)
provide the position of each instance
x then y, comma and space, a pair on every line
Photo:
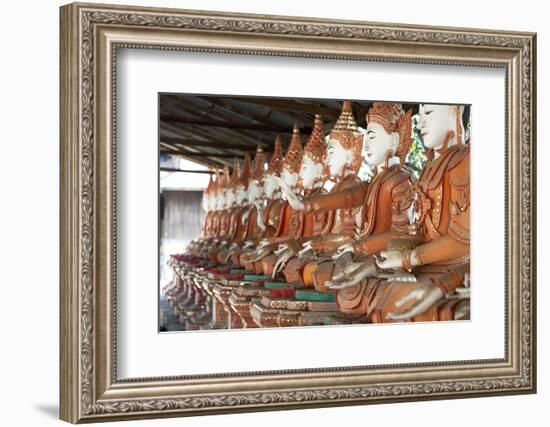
416, 158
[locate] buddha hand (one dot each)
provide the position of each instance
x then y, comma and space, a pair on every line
282, 259
232, 250
248, 244
256, 254
424, 297
290, 196
344, 249
263, 243
282, 247
306, 251
295, 202
390, 260
352, 274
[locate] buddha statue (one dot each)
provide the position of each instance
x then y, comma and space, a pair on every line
252, 219
343, 160
207, 207
442, 203
235, 206
238, 223
302, 226
384, 212
278, 216
226, 203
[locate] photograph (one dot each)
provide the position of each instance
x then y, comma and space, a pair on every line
264, 212
278, 212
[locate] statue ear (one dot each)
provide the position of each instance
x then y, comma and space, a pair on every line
349, 157
394, 141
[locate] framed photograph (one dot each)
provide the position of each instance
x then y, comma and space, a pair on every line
269, 212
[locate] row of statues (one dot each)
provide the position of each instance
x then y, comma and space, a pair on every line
391, 248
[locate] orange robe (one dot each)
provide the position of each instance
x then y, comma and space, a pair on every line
445, 228
343, 202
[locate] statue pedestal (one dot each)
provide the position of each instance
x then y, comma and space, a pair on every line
241, 299
222, 293
307, 308
218, 318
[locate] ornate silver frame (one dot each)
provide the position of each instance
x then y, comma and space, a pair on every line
90, 36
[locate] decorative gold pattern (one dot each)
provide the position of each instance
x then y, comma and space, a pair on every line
275, 165
293, 157
386, 114
245, 174
258, 172
316, 147
79, 223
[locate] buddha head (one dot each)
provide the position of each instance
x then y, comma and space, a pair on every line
274, 169
241, 189
216, 201
256, 185
345, 144
231, 193
225, 189
311, 169
293, 159
440, 124
207, 195
382, 136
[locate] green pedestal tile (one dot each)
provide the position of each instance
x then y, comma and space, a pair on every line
254, 277
312, 295
275, 285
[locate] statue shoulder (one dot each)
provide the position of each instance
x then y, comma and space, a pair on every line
459, 164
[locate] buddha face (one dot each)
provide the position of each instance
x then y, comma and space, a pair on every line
435, 121
337, 158
270, 186
215, 201
310, 172
229, 197
205, 202
378, 142
222, 201
240, 194
254, 191
291, 178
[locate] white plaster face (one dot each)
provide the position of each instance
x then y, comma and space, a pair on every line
206, 201
223, 199
378, 142
434, 123
270, 186
254, 191
229, 197
216, 201
310, 172
241, 195
289, 178
337, 158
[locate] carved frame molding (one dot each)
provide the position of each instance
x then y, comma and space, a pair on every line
90, 37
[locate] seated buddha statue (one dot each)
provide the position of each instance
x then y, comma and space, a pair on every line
441, 197
300, 226
272, 204
236, 206
227, 204
222, 216
343, 160
384, 212
252, 219
238, 220
212, 226
278, 215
